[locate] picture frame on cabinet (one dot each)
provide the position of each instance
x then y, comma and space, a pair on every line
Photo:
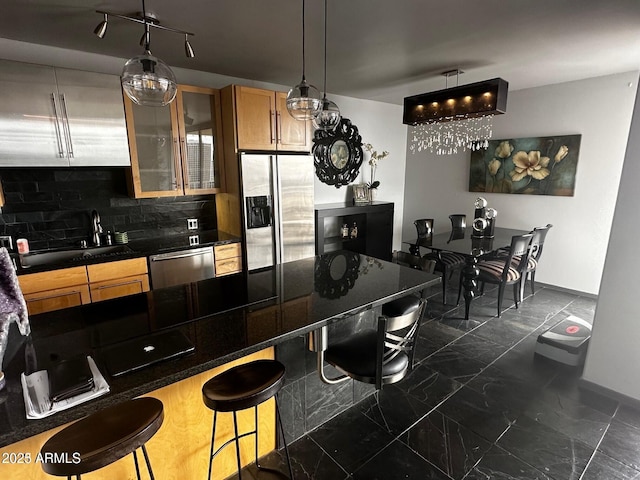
361, 194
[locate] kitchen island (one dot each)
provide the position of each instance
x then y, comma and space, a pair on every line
227, 319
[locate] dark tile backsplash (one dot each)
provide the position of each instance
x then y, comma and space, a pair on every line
52, 207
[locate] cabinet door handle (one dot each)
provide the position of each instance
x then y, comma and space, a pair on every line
185, 160
272, 120
58, 295
65, 123
226, 262
57, 125
279, 126
122, 284
176, 155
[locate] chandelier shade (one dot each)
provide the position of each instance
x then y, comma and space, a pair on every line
457, 103
455, 118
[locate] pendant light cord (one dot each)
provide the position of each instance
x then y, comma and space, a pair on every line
303, 77
325, 49
147, 33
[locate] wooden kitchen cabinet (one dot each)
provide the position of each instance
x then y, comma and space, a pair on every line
262, 121
69, 287
228, 258
118, 279
55, 290
176, 150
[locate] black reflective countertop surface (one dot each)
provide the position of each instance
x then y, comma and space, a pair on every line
134, 249
225, 318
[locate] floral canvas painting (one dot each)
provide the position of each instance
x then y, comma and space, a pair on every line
533, 166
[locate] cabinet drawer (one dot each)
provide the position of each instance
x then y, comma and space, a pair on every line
227, 251
57, 299
112, 270
55, 279
120, 287
227, 266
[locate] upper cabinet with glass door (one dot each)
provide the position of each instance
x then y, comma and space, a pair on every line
57, 117
176, 150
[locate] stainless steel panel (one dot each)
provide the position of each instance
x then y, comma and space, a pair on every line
257, 180
295, 174
30, 134
94, 118
185, 266
60, 117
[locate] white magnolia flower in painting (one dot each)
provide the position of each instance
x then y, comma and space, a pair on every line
494, 166
504, 149
562, 152
529, 164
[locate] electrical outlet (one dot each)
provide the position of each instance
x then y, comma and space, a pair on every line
194, 240
192, 223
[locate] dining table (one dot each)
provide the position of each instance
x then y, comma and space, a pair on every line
469, 243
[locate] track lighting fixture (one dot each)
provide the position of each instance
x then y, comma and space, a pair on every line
146, 79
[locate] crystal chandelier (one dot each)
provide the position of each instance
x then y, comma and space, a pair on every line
455, 119
447, 137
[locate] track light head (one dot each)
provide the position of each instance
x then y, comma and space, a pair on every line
188, 50
101, 30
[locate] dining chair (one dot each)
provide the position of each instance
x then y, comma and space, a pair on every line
540, 233
458, 220
445, 262
424, 227
502, 271
384, 355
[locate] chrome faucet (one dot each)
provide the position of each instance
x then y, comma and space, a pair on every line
96, 228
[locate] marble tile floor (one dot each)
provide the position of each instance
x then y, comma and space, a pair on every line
478, 405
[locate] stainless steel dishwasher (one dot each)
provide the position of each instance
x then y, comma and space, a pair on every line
185, 266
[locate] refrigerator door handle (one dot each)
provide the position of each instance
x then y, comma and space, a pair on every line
277, 209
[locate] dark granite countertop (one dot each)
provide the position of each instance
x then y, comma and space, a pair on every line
223, 317
134, 249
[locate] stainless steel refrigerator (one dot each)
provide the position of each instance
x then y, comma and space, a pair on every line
278, 205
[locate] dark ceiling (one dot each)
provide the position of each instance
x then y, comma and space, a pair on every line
377, 49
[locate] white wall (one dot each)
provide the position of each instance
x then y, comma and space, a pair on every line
598, 108
378, 123
614, 354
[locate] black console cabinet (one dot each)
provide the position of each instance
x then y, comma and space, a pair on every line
374, 222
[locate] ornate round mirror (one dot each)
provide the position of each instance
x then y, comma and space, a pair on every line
337, 154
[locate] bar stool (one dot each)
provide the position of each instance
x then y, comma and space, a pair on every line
241, 387
104, 437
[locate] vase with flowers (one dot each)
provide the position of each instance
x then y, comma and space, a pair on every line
374, 158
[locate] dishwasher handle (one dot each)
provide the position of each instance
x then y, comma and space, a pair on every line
181, 254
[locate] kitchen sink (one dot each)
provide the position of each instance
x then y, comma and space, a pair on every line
47, 257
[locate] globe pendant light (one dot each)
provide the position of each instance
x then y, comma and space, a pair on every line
329, 116
303, 100
146, 79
